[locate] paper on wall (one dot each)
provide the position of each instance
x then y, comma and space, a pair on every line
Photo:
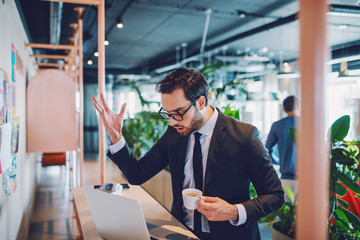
1, 90
5, 146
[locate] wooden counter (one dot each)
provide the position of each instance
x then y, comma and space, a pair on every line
161, 224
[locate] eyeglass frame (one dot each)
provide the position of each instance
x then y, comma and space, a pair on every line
176, 114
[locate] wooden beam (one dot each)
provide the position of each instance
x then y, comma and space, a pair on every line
50, 46
50, 64
80, 11
89, 2
101, 86
49, 56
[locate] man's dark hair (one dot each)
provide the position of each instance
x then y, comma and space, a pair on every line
191, 81
289, 103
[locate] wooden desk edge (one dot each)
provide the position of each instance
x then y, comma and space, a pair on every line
78, 193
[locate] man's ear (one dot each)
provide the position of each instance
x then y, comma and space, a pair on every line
201, 102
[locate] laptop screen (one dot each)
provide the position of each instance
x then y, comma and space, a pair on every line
116, 217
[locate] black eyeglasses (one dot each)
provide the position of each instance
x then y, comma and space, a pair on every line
176, 116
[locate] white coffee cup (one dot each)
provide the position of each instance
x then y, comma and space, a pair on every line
191, 197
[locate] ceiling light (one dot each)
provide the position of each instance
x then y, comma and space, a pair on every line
241, 13
288, 75
106, 42
287, 72
96, 54
342, 27
286, 67
89, 62
265, 49
344, 11
120, 23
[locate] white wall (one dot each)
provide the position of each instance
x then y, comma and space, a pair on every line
15, 209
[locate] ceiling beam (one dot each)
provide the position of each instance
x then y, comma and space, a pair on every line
49, 56
51, 46
89, 2
50, 64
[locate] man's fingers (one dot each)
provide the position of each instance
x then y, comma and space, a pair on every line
102, 98
98, 107
94, 99
122, 111
209, 199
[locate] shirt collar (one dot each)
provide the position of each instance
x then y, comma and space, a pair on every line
209, 126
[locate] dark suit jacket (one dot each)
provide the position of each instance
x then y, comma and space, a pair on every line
236, 157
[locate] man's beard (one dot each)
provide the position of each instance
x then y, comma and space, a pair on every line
194, 124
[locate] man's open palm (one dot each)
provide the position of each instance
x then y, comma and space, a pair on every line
112, 122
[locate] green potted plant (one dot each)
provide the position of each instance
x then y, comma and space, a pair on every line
344, 179
142, 131
283, 219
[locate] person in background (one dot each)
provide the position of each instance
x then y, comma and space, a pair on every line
279, 134
205, 150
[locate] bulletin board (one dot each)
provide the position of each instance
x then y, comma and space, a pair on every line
9, 135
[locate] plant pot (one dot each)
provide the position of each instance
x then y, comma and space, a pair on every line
276, 235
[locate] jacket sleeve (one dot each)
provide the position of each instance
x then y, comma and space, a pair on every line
265, 180
271, 142
271, 139
139, 171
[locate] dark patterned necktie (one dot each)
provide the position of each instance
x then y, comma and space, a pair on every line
198, 177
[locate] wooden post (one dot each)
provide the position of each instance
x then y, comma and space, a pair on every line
80, 11
101, 83
313, 166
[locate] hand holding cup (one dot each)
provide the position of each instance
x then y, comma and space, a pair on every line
191, 198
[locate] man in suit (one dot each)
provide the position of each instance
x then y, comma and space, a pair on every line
207, 150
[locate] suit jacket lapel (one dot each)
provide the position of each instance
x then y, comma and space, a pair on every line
216, 143
180, 161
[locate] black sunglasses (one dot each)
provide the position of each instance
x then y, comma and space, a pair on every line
176, 116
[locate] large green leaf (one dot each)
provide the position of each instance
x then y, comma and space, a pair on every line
353, 219
341, 155
292, 133
289, 193
336, 236
343, 203
341, 215
340, 128
348, 182
340, 224
340, 189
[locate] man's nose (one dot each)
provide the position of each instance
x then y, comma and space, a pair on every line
172, 121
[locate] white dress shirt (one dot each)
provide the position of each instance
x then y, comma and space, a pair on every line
189, 182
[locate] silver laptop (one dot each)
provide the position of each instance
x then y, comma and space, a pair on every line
116, 217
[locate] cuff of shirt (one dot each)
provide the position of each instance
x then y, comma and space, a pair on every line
242, 215
114, 148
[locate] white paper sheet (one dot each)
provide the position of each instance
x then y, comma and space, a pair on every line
5, 146
1, 90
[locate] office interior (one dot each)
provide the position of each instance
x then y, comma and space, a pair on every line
255, 52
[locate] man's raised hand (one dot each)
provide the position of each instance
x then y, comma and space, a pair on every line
112, 122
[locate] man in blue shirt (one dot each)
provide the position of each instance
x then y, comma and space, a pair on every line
279, 134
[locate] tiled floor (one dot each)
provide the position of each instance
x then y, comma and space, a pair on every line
53, 211
52, 216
